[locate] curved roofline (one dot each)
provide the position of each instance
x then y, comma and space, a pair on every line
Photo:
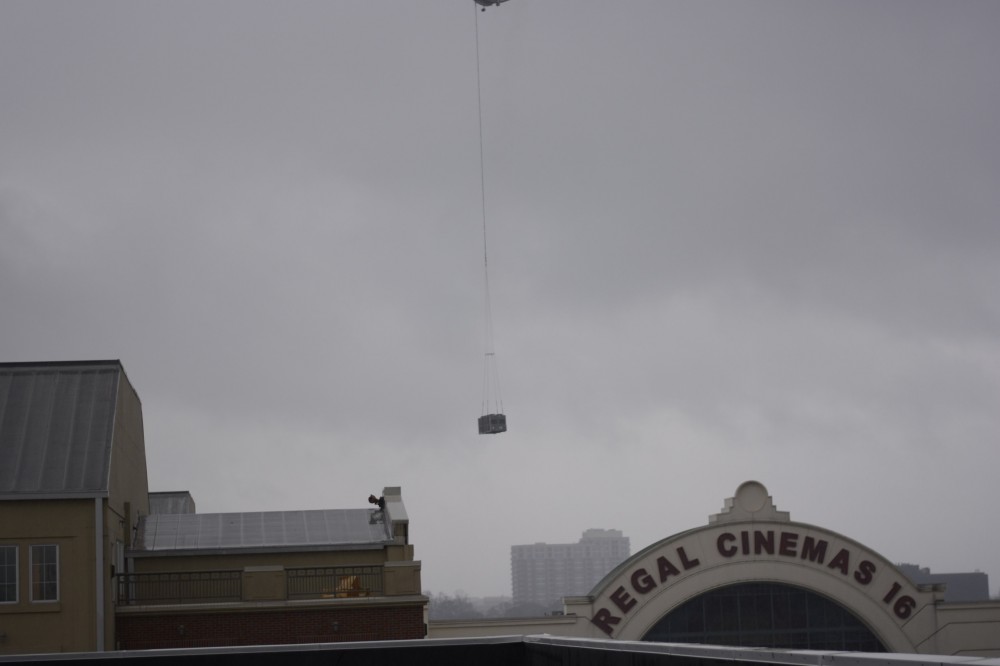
636, 557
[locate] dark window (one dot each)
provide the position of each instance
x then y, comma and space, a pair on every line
45, 573
8, 574
765, 615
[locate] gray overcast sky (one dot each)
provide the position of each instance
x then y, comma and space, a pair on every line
728, 241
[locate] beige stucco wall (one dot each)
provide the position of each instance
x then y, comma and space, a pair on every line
402, 579
969, 629
128, 495
68, 624
127, 481
554, 625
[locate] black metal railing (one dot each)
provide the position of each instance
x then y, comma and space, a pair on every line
187, 587
334, 582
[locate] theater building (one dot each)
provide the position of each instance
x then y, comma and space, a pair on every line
753, 577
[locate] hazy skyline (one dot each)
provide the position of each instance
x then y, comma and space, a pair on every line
728, 241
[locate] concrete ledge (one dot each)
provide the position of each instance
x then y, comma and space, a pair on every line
505, 651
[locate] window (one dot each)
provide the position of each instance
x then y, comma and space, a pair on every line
45, 573
769, 615
8, 574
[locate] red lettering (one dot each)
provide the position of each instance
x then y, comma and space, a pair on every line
864, 573
604, 620
685, 562
788, 544
667, 569
763, 542
623, 600
745, 540
721, 543
642, 582
904, 606
842, 561
814, 551
891, 594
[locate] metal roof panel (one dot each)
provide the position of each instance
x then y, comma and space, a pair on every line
56, 426
261, 530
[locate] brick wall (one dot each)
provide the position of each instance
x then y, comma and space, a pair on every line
269, 627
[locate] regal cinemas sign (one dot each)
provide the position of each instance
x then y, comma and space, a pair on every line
653, 573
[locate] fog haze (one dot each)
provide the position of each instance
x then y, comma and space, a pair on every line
727, 241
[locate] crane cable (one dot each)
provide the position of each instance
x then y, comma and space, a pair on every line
491, 379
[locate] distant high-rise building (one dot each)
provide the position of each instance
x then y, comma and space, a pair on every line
971, 586
544, 573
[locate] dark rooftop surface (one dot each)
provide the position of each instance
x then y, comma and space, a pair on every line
56, 425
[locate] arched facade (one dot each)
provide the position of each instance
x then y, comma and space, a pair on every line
750, 540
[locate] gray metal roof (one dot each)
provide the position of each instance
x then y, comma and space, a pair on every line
56, 425
178, 501
330, 528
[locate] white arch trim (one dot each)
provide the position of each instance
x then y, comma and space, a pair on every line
649, 585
